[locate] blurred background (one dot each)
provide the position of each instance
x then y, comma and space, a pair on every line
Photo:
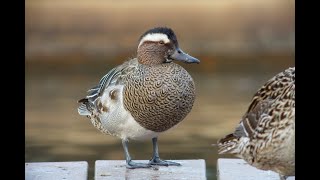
71, 44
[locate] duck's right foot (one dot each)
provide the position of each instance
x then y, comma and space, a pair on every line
134, 165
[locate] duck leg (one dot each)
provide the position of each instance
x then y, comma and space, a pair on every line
156, 159
130, 163
282, 177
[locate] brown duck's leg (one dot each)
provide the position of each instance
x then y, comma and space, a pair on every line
282, 177
156, 159
130, 163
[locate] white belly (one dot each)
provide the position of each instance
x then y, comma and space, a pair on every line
118, 121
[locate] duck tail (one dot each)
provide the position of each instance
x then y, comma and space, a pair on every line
228, 145
82, 109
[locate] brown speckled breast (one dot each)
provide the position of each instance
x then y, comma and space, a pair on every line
159, 96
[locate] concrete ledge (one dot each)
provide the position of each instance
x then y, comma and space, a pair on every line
116, 170
227, 169
77, 170
238, 169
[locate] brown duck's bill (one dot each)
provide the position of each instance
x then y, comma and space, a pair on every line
179, 55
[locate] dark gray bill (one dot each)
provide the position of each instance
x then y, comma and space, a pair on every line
179, 55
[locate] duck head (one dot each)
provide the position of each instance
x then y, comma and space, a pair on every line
160, 45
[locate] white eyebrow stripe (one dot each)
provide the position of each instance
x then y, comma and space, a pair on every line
155, 37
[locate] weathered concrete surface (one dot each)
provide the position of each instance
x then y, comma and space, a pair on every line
116, 170
77, 170
238, 169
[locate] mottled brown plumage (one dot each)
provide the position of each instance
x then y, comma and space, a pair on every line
265, 137
159, 96
144, 96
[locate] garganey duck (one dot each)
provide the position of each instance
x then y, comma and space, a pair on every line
265, 136
144, 96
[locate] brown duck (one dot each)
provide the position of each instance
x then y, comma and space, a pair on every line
265, 137
144, 96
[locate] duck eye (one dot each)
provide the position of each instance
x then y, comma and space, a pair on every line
161, 42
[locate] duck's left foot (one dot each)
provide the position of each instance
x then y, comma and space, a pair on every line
159, 162
282, 177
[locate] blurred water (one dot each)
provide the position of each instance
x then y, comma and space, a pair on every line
55, 131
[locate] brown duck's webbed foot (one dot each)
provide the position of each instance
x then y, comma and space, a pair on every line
155, 160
